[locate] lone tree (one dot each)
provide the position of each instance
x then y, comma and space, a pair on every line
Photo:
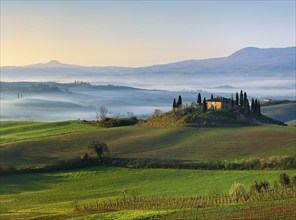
103, 112
204, 105
199, 99
100, 148
179, 102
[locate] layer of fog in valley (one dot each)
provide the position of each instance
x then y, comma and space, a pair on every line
39, 101
55, 102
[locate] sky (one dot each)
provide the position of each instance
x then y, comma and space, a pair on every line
133, 33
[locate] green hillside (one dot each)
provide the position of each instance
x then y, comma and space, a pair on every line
12, 131
52, 195
35, 143
283, 112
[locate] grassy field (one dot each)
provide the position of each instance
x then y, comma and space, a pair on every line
29, 143
12, 131
283, 112
52, 195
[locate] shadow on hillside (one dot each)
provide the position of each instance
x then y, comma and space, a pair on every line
13, 184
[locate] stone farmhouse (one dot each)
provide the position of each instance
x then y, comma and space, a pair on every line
219, 103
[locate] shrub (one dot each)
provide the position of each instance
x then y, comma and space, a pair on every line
116, 122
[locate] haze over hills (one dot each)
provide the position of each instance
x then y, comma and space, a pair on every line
261, 72
250, 60
249, 68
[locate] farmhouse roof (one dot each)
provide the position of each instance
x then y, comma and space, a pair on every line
218, 99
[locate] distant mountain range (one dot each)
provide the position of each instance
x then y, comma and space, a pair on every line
250, 60
247, 68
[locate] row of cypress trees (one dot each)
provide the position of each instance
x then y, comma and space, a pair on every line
241, 101
177, 104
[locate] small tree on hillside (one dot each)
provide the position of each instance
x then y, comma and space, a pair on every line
130, 114
157, 112
103, 112
100, 148
236, 99
212, 96
205, 107
199, 99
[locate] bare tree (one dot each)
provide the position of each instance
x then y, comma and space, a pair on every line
130, 114
157, 112
103, 112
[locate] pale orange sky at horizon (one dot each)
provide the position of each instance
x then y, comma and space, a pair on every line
134, 34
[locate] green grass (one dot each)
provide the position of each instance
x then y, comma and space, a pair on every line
283, 112
44, 143
53, 194
19, 131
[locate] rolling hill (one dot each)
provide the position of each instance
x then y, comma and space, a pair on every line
283, 112
53, 195
32, 143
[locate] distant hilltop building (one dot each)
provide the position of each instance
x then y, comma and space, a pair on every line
267, 100
219, 103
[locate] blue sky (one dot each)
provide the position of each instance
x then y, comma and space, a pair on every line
130, 33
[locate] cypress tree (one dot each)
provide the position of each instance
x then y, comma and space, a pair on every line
231, 101
204, 105
236, 99
258, 108
247, 106
212, 96
241, 99
255, 106
252, 105
245, 101
174, 104
199, 99
179, 102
